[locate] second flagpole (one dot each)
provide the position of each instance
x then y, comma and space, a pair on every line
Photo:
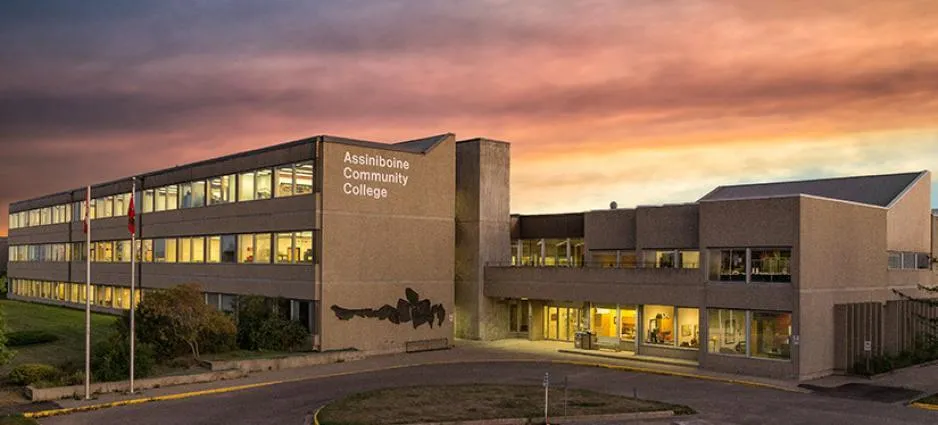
132, 225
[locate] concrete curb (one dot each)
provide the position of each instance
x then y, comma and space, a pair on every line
924, 406
65, 411
659, 414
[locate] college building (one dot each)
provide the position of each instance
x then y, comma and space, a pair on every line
391, 247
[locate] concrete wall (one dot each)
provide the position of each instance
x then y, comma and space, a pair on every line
482, 235
610, 229
548, 226
908, 221
375, 249
842, 258
667, 227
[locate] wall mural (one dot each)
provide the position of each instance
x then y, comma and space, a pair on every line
413, 309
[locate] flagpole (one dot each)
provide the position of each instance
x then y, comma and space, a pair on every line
88, 293
133, 263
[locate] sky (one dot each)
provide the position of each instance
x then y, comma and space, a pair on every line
640, 102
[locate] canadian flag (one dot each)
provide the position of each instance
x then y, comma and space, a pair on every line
131, 214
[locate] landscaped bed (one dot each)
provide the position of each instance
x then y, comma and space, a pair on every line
930, 400
449, 403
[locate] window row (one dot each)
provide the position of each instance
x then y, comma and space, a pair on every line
279, 182
55, 214
547, 252
908, 260
750, 265
662, 259
302, 311
763, 334
75, 293
262, 248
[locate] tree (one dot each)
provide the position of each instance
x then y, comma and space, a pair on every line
179, 316
6, 354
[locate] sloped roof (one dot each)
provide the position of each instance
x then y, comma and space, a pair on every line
879, 190
413, 146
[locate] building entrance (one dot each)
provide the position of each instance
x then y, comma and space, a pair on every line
561, 323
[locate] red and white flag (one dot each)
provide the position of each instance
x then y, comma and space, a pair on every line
131, 214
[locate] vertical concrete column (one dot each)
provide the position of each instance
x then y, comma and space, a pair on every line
483, 221
536, 321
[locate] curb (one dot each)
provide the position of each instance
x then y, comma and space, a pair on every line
69, 410
924, 406
316, 414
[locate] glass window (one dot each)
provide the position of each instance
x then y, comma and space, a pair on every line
246, 186
108, 204
690, 259
121, 203
228, 249
628, 321
213, 249
284, 183
147, 201
303, 178
284, 248
303, 251
262, 245
665, 259
171, 250
122, 251
228, 302
147, 250
198, 249
185, 195
659, 324
921, 261
688, 333
160, 199
895, 260
164, 250
222, 190
245, 248
770, 265
104, 252
727, 331
770, 333
263, 186
728, 265
604, 259
198, 193
172, 197
185, 250
45, 216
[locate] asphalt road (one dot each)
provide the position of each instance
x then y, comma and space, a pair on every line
718, 403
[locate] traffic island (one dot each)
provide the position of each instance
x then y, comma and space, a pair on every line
508, 404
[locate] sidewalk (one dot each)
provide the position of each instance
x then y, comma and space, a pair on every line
464, 352
922, 378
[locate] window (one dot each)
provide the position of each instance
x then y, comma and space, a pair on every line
728, 265
221, 190
690, 259
770, 334
171, 250
147, 250
121, 203
228, 249
192, 194
263, 186
122, 251
727, 329
160, 197
164, 250
185, 250
284, 183
45, 216
185, 192
213, 249
304, 247
659, 324
198, 249
770, 265
198, 193
665, 259
228, 302
104, 252
246, 186
303, 178
688, 333
605, 259
262, 247
909, 260
245, 248
172, 197
284, 248
147, 201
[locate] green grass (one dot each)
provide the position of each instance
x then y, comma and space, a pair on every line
448, 403
932, 399
65, 323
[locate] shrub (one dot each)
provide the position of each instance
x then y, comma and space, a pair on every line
261, 327
32, 337
177, 321
29, 373
111, 360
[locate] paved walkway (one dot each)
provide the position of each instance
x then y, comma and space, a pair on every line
465, 351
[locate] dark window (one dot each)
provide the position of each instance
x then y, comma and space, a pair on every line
229, 251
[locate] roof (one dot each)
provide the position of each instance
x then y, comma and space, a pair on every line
413, 146
878, 190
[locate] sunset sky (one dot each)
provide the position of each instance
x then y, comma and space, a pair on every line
641, 102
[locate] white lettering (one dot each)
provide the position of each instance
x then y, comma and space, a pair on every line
384, 171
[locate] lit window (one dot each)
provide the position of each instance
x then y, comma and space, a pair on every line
770, 334
147, 201
185, 250
245, 248
263, 185
262, 246
727, 331
160, 199
659, 324
104, 252
213, 249
172, 197
770, 265
246, 186
198, 249
284, 183
284, 248
198, 193
222, 190
304, 247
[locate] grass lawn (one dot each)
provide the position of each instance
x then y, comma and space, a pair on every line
474, 402
66, 323
932, 399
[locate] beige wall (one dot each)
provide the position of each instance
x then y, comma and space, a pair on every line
609, 229
842, 258
665, 227
745, 223
909, 218
373, 249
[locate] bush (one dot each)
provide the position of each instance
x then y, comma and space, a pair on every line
29, 373
110, 360
261, 327
23, 338
176, 321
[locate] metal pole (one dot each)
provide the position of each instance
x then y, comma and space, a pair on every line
88, 294
133, 268
565, 395
546, 387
